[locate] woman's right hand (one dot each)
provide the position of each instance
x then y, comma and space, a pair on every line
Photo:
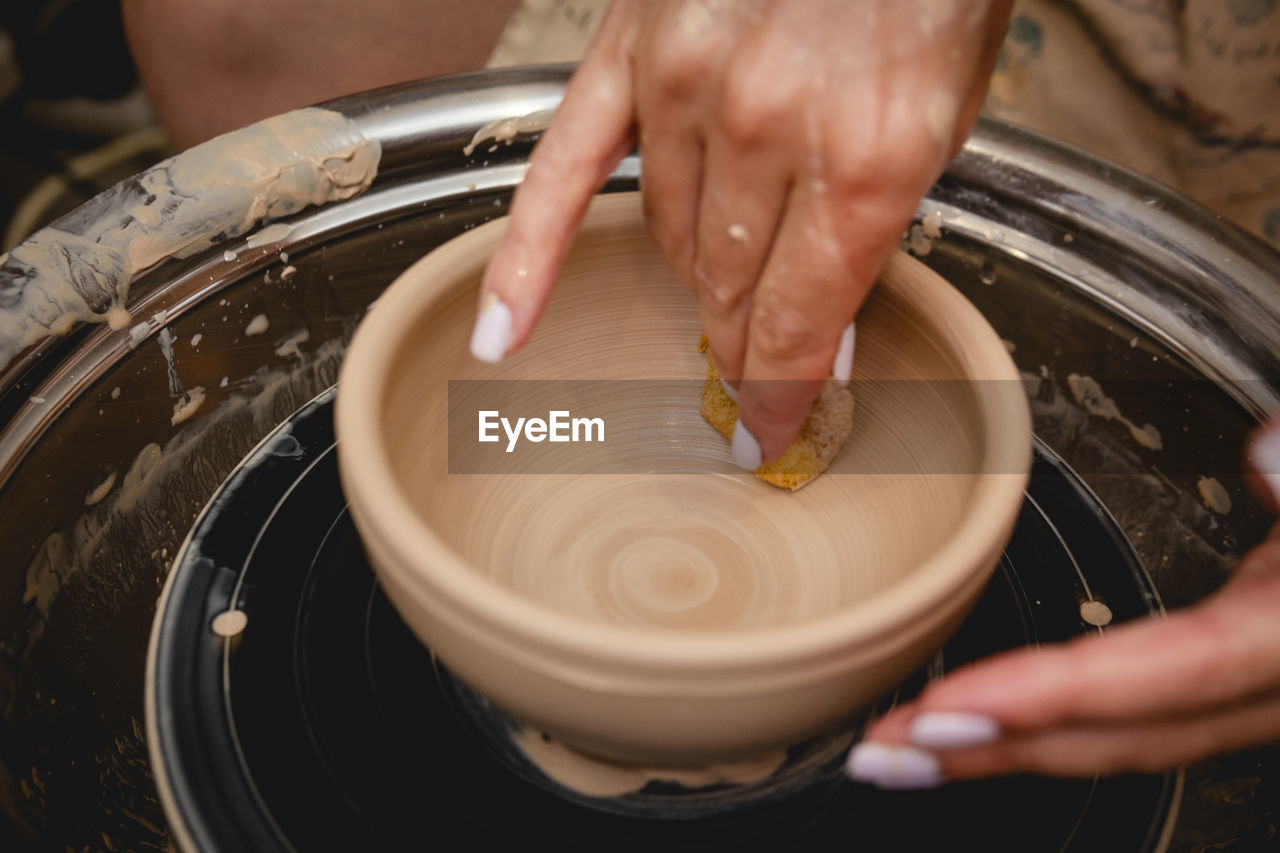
786, 146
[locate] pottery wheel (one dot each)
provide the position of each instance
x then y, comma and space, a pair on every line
1086, 271
325, 723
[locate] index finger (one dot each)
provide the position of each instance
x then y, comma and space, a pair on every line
590, 133
1221, 651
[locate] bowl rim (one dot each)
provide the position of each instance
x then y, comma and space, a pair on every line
366, 468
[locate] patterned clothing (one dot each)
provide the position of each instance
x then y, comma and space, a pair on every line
1184, 91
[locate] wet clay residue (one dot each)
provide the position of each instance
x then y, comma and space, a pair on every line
94, 548
100, 491
290, 346
257, 326
273, 233
1095, 613
1214, 495
187, 405
506, 130
1089, 395
79, 268
597, 778
230, 623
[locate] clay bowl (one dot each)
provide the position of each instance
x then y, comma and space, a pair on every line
642, 599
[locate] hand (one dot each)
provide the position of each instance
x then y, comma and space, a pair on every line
786, 145
1146, 696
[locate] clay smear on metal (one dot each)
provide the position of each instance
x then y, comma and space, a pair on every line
79, 268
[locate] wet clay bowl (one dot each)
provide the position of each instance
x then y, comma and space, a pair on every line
641, 599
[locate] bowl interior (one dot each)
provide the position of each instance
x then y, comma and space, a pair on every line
654, 526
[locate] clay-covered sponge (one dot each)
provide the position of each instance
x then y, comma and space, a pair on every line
820, 439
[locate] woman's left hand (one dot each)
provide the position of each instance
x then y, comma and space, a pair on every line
1145, 696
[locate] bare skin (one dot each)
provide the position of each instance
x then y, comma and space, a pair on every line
210, 66
786, 145
1147, 696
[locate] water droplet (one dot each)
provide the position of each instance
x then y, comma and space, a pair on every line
987, 275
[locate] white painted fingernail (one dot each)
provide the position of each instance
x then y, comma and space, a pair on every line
492, 335
729, 390
842, 367
893, 767
1264, 453
953, 729
746, 450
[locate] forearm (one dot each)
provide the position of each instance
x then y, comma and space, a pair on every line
214, 65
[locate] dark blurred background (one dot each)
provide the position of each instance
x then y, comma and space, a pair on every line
73, 118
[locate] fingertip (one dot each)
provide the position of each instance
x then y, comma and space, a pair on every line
774, 448
842, 367
746, 449
894, 767
515, 287
491, 336
953, 729
774, 443
776, 411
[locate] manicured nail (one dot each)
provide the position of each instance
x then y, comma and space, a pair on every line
492, 335
746, 450
842, 367
1264, 454
729, 390
893, 767
953, 729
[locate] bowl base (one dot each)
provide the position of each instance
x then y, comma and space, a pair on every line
652, 792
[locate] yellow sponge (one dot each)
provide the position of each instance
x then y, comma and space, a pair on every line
820, 439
